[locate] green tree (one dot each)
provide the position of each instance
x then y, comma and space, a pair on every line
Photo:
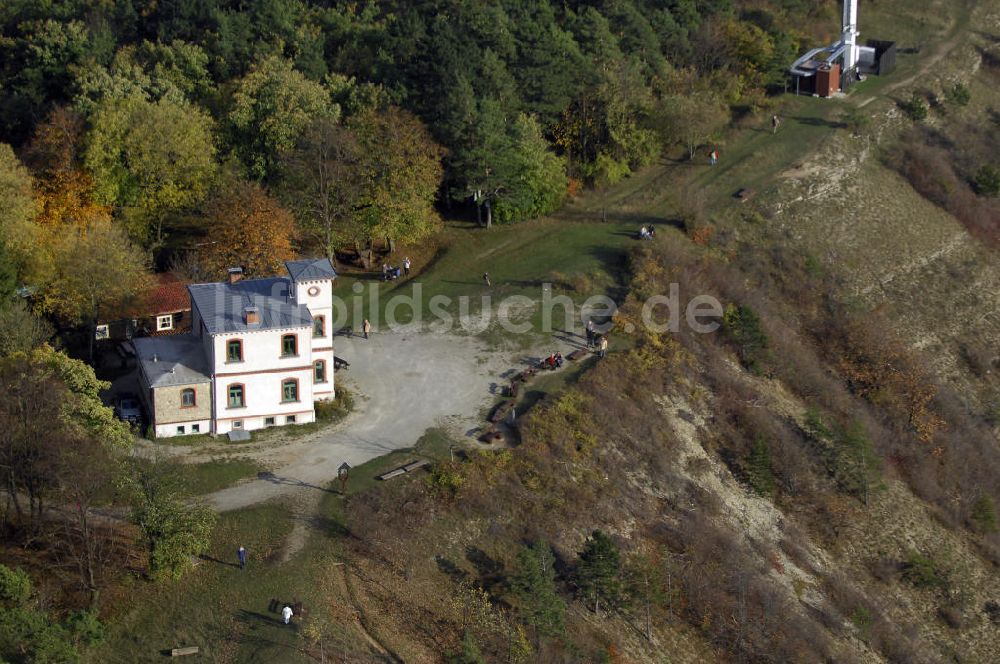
173, 527
533, 582
28, 633
270, 108
150, 159
690, 120
469, 653
536, 181
758, 468
20, 329
402, 173
744, 329
18, 234
599, 572
96, 273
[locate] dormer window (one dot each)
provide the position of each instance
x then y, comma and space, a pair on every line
164, 323
251, 315
289, 345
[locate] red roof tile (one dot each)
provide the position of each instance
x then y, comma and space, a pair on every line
169, 296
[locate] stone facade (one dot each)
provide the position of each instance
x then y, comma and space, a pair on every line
167, 408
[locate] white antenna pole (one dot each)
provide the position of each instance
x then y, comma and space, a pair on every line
850, 34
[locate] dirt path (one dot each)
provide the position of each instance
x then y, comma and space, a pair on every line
404, 382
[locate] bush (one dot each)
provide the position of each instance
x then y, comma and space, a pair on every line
924, 572
916, 108
984, 515
446, 479
335, 409
743, 327
856, 121
958, 95
759, 473
988, 180
15, 586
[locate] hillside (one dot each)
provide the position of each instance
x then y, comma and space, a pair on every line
814, 481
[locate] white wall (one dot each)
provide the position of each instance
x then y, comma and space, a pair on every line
261, 373
170, 430
320, 304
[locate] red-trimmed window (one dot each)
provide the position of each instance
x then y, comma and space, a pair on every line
319, 326
237, 395
289, 345
234, 350
289, 390
319, 371
187, 398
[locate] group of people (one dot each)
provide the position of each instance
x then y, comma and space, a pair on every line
600, 341
647, 233
553, 361
393, 272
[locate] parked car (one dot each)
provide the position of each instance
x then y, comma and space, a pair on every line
127, 409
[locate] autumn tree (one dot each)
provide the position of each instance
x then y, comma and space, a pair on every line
149, 160
270, 108
96, 272
322, 181
64, 190
249, 229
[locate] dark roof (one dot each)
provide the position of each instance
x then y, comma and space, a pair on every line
221, 305
314, 268
176, 360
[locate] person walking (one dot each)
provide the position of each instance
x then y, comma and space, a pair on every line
603, 348
713, 157
590, 333
406, 266
775, 121
366, 327
486, 278
241, 553
286, 613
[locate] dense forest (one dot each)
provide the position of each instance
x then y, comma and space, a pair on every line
146, 113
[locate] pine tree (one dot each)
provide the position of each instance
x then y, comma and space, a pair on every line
599, 572
533, 583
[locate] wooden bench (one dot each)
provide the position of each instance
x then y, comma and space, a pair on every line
415, 465
186, 650
391, 474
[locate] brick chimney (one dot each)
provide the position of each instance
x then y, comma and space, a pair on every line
235, 274
251, 316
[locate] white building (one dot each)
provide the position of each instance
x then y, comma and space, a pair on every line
259, 354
